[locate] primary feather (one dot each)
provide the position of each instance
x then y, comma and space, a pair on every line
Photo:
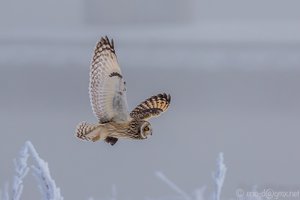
107, 86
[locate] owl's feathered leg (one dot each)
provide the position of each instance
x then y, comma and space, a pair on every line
111, 140
90, 132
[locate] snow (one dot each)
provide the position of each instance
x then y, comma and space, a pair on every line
41, 171
219, 177
50, 191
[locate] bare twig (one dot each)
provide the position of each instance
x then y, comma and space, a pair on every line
219, 177
172, 185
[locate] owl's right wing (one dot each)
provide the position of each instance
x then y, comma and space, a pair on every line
152, 107
107, 86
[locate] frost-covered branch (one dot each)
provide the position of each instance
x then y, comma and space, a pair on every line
41, 171
50, 191
47, 185
114, 192
172, 185
5, 195
219, 177
21, 169
199, 193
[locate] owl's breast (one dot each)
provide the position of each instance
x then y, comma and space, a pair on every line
117, 129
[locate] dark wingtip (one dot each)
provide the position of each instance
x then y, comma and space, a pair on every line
105, 41
112, 43
160, 95
106, 38
169, 98
163, 96
102, 40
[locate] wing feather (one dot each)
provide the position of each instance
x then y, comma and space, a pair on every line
107, 86
152, 107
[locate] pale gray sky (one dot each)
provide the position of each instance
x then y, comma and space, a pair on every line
232, 68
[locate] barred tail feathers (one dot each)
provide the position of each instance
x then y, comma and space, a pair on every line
89, 132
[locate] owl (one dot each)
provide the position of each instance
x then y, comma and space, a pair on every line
107, 90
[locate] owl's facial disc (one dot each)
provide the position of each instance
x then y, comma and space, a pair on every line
145, 130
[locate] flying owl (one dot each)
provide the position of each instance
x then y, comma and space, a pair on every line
107, 90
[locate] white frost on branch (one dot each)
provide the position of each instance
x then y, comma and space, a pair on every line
172, 185
21, 169
199, 193
114, 192
50, 191
41, 171
5, 195
219, 177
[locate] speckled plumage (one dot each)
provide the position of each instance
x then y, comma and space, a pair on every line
107, 91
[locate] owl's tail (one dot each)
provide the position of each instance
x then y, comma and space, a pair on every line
89, 132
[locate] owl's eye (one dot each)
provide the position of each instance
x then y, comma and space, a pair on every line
146, 128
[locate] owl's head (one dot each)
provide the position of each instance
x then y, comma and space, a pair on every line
145, 129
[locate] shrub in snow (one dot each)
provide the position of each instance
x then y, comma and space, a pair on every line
50, 191
41, 172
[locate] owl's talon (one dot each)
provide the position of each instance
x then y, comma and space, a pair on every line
111, 140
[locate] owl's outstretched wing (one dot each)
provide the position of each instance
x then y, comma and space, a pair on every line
152, 107
107, 86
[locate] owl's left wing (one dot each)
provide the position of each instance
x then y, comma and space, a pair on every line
107, 86
152, 107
